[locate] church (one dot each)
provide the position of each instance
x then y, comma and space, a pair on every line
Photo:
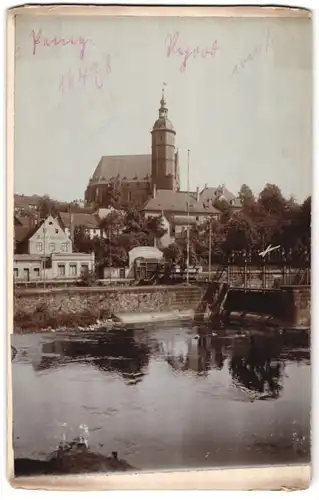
134, 178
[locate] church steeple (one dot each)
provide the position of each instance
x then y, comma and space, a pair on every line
164, 160
162, 112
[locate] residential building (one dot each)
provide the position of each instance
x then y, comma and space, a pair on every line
180, 203
26, 204
45, 252
27, 267
44, 239
210, 195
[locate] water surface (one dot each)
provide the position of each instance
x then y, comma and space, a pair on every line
166, 396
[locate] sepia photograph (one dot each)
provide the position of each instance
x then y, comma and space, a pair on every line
161, 264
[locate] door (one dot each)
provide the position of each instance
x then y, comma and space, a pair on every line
26, 274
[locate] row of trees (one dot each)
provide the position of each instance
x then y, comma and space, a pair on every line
266, 219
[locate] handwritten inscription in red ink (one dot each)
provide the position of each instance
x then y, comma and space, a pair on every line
39, 40
93, 74
175, 48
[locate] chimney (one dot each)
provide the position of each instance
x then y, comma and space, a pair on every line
154, 191
197, 193
206, 185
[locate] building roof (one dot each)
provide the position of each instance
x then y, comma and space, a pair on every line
218, 193
163, 123
24, 257
176, 201
89, 221
126, 167
21, 233
22, 201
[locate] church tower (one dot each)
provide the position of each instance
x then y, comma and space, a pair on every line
165, 168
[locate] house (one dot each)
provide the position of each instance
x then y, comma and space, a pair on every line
27, 267
178, 210
69, 265
45, 252
179, 203
45, 238
209, 196
26, 204
89, 222
61, 266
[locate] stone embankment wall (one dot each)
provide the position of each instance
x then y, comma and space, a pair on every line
70, 307
77, 306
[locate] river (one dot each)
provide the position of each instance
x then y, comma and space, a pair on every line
165, 397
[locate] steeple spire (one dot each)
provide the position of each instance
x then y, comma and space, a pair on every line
163, 109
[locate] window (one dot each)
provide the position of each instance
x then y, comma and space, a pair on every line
73, 269
39, 247
56, 231
64, 247
84, 268
61, 269
51, 247
36, 271
16, 272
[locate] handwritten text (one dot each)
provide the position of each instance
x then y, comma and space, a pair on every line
251, 56
175, 48
39, 40
93, 74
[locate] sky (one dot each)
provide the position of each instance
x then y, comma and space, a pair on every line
238, 91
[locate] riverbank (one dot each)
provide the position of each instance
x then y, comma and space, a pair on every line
93, 309
73, 460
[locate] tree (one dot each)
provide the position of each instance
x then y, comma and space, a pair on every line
47, 207
247, 198
173, 253
240, 234
271, 200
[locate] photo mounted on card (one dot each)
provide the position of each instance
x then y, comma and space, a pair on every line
159, 193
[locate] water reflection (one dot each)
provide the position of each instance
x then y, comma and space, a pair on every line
119, 352
190, 377
200, 354
255, 366
255, 362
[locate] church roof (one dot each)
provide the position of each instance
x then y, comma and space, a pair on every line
176, 201
125, 167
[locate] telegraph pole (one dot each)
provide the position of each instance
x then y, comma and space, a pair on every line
187, 258
210, 251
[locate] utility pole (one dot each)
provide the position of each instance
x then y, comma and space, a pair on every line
187, 258
44, 253
210, 250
